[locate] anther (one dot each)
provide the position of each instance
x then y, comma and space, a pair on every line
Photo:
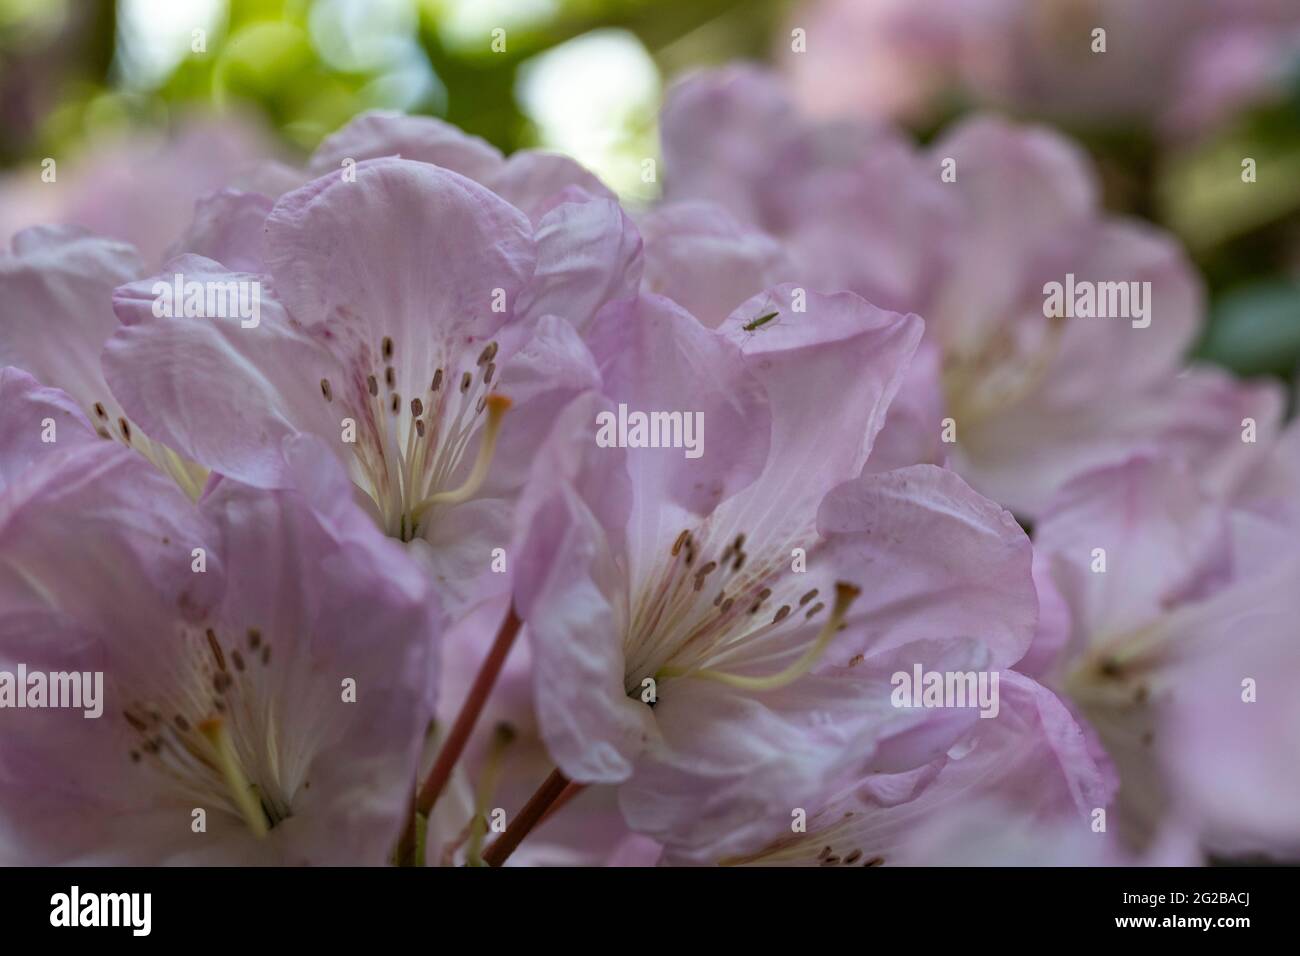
326, 390
681, 540
417, 407
703, 573
215, 648
465, 381
372, 385
387, 347
126, 429
488, 354
437, 381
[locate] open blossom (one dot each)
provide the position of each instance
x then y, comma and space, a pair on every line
717, 634
587, 249
1033, 760
1231, 726
264, 662
57, 283
1161, 577
403, 310
1009, 396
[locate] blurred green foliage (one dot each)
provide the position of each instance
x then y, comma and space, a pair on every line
68, 62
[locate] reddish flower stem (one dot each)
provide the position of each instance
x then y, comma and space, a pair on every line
569, 792
454, 745
532, 813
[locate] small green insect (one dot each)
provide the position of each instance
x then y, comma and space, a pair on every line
759, 322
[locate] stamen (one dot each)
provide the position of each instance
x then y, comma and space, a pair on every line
241, 791
845, 595
220, 658
497, 405
326, 390
681, 540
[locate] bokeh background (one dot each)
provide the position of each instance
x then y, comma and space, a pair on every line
144, 103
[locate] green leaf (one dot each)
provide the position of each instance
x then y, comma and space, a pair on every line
1256, 329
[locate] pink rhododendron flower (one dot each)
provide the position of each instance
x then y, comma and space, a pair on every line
227, 635
57, 283
1032, 758
1231, 724
401, 314
648, 577
1153, 567
970, 235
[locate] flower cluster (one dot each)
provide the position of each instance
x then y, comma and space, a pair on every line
425, 506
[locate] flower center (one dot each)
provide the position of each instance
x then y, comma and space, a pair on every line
1000, 368
210, 729
411, 441
698, 614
